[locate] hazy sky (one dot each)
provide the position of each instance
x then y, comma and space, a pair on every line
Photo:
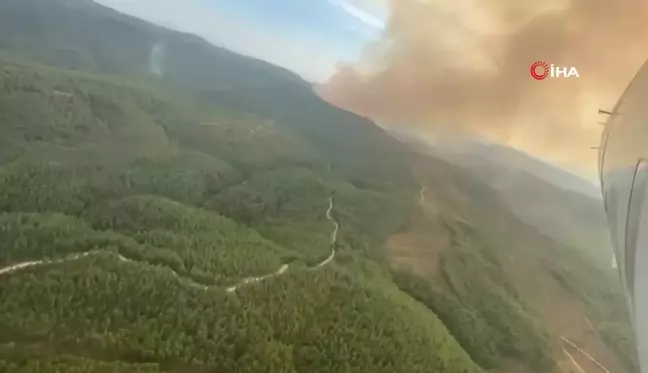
307, 36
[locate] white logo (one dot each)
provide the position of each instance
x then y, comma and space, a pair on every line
541, 70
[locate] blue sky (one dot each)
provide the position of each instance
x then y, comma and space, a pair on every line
306, 36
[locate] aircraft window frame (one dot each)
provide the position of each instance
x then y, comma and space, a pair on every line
634, 208
601, 166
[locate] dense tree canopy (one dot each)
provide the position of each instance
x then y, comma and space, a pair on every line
172, 217
135, 214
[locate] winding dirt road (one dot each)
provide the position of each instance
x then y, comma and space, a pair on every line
244, 282
333, 236
23, 265
286, 267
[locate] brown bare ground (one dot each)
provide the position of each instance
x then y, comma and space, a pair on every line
565, 315
561, 311
417, 254
418, 250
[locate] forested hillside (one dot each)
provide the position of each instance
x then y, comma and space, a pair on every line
101, 40
220, 217
489, 264
174, 206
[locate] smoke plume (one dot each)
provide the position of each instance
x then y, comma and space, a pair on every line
462, 67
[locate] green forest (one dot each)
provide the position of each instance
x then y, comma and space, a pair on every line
175, 202
137, 206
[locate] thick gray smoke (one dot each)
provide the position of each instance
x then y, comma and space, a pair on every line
462, 67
